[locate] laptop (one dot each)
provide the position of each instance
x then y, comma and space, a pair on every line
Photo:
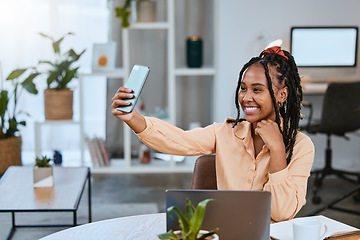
237, 214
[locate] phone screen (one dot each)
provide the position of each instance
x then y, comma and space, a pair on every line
135, 82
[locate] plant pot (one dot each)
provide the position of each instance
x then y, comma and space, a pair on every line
10, 152
43, 177
58, 104
146, 11
213, 237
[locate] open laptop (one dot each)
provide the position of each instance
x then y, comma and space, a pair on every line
237, 214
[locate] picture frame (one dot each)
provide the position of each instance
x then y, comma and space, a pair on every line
103, 56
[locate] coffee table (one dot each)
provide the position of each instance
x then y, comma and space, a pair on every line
19, 195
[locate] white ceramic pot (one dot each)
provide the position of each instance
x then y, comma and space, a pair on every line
213, 237
43, 177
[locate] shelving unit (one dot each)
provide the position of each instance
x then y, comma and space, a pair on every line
174, 72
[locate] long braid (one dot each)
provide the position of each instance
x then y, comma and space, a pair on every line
290, 111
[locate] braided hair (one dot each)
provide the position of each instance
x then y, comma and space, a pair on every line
290, 110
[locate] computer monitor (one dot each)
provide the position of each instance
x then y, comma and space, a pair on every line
324, 46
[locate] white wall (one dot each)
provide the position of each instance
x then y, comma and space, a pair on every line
246, 27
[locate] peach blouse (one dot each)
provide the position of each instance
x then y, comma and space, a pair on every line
236, 165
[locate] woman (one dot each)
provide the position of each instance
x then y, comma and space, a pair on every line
264, 151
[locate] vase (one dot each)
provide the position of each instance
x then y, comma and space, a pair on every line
194, 52
43, 177
146, 11
10, 152
58, 104
201, 232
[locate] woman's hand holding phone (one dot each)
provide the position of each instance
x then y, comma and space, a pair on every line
133, 119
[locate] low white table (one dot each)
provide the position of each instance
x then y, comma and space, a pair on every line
148, 226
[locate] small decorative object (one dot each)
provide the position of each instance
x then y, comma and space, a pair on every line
10, 139
194, 52
103, 57
43, 173
57, 157
144, 154
146, 11
60, 73
190, 223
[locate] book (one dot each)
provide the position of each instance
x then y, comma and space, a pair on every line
104, 152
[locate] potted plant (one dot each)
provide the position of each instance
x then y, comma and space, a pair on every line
43, 172
190, 223
145, 11
10, 139
58, 98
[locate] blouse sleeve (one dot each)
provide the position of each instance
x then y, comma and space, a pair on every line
169, 139
288, 186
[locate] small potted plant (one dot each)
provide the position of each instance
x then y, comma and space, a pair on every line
145, 11
190, 223
58, 98
10, 139
43, 172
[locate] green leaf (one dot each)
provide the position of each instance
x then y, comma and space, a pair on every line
170, 235
56, 44
29, 85
23, 123
52, 77
4, 100
69, 75
123, 13
189, 209
198, 217
184, 222
15, 74
47, 36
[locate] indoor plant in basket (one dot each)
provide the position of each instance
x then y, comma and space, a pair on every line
43, 172
190, 223
58, 98
10, 139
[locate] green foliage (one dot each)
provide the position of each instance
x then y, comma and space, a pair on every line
190, 221
42, 162
124, 13
20, 79
61, 71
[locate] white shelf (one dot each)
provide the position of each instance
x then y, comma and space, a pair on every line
116, 73
57, 122
205, 71
155, 25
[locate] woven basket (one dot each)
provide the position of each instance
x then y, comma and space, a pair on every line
10, 153
58, 104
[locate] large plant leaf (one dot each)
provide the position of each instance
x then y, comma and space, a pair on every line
56, 44
189, 209
16, 73
170, 235
198, 217
184, 222
29, 85
52, 77
69, 75
4, 100
123, 13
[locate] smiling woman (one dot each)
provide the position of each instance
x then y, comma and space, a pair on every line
21, 21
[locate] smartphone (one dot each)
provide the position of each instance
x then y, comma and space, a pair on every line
135, 82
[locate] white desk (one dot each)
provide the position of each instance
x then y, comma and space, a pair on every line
148, 226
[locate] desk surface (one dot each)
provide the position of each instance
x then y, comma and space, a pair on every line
18, 193
148, 226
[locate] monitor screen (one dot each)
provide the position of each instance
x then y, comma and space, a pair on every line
324, 46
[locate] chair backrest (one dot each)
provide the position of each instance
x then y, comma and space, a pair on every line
341, 108
204, 175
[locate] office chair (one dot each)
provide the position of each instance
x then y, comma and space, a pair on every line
340, 115
204, 175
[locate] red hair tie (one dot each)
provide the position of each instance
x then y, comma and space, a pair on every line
276, 50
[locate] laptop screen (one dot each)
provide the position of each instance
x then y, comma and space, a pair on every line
237, 214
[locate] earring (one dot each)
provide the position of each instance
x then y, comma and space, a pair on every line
281, 104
